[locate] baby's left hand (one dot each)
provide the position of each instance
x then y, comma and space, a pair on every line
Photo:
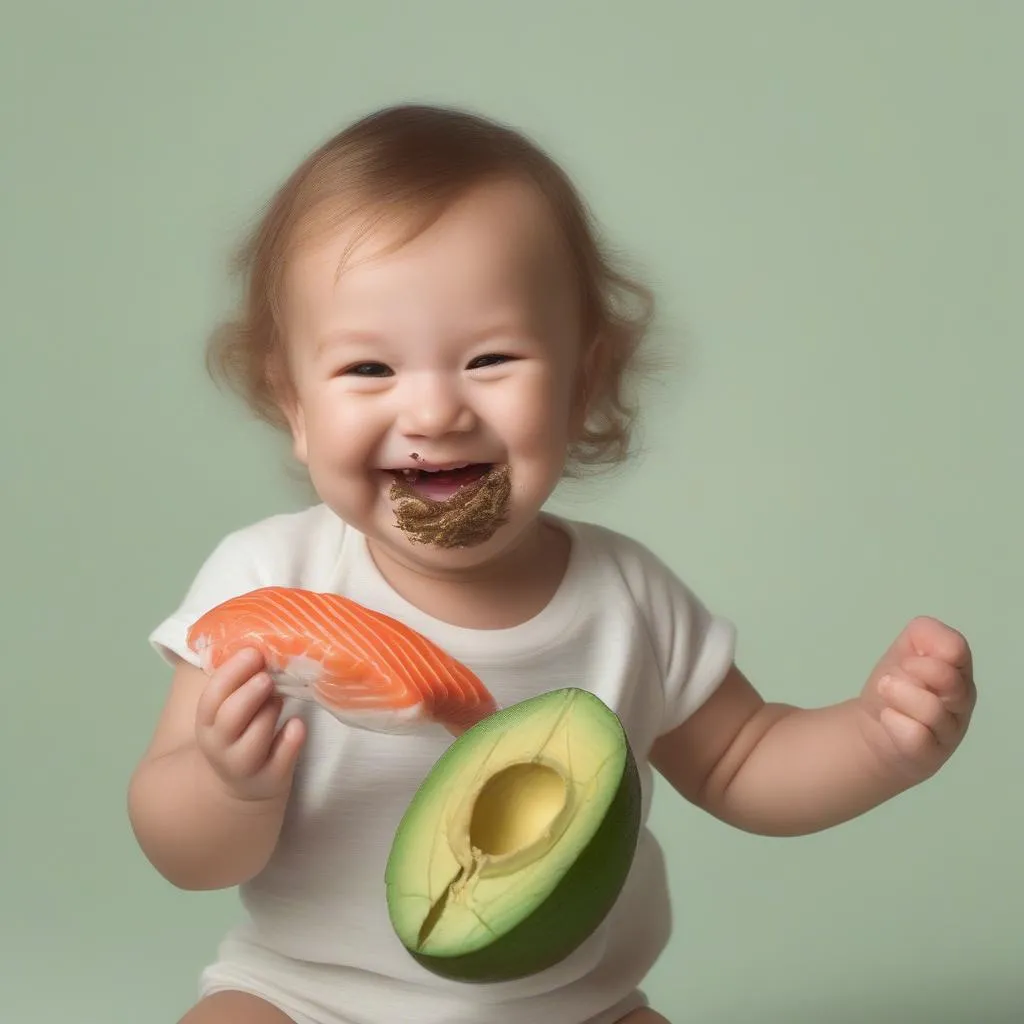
920, 698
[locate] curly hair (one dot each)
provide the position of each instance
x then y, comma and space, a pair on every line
413, 162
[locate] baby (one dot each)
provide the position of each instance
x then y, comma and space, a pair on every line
429, 315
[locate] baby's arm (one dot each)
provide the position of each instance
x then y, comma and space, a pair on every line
207, 800
774, 769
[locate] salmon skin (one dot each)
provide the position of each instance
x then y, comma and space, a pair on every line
365, 668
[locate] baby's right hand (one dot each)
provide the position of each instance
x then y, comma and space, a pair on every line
236, 718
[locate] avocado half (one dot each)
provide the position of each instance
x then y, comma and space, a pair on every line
518, 842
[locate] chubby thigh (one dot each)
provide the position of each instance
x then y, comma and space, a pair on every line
235, 1008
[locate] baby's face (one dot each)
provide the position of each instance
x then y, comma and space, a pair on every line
458, 349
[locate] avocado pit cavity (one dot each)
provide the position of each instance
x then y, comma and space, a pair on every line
512, 819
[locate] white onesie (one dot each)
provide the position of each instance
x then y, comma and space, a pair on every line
315, 939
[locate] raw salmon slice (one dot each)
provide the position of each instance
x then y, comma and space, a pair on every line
366, 668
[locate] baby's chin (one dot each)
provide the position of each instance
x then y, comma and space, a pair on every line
452, 564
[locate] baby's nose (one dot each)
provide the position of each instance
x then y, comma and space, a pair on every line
435, 408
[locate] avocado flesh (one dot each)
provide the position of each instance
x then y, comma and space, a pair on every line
518, 842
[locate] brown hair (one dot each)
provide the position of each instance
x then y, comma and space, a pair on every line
418, 160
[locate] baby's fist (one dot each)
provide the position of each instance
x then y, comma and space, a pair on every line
921, 696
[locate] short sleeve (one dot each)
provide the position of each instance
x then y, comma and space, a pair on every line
693, 647
231, 569
698, 651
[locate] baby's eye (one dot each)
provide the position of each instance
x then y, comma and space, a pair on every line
492, 359
367, 370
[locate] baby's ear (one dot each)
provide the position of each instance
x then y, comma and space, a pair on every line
291, 409
297, 425
587, 374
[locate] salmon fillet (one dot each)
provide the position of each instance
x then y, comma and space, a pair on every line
365, 668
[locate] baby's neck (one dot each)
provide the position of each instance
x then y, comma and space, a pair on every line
521, 589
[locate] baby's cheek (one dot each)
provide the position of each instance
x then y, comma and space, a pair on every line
542, 420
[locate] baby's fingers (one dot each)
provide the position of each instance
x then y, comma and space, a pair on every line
946, 681
234, 673
921, 707
247, 755
285, 749
239, 710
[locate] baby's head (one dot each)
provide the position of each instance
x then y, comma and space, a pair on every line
425, 289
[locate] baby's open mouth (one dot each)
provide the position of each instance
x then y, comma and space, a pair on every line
440, 484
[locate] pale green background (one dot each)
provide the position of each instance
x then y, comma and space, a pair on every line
827, 196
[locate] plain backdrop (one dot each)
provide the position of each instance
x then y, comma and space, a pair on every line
827, 197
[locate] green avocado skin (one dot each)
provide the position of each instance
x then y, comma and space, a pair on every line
578, 905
